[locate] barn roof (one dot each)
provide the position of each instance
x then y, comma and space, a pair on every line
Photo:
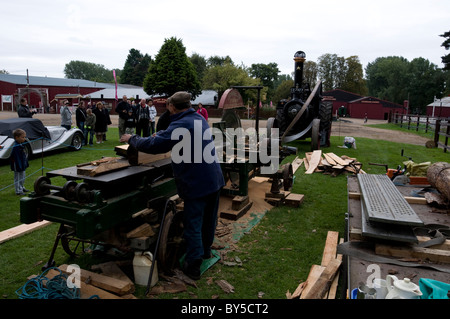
110, 93
47, 81
344, 96
445, 102
341, 95
383, 102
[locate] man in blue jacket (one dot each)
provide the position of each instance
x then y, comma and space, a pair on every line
197, 174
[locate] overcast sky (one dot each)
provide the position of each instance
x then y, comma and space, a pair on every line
42, 36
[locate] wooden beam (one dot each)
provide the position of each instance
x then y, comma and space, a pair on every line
116, 286
86, 290
329, 252
433, 255
314, 162
323, 283
22, 229
313, 276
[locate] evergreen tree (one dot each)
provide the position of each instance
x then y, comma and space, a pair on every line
171, 71
446, 45
135, 68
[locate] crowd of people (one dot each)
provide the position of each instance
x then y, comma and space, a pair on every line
93, 119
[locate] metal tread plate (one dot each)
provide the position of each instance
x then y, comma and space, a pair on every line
383, 202
394, 232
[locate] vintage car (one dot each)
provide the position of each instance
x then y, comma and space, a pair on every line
40, 139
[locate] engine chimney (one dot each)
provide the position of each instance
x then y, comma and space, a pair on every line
299, 58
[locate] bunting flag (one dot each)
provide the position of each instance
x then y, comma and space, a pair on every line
115, 81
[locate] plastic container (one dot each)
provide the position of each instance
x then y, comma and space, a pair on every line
142, 264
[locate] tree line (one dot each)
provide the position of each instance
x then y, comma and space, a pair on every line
391, 78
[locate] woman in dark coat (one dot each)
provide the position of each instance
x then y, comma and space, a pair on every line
101, 122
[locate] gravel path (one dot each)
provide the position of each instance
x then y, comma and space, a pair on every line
347, 127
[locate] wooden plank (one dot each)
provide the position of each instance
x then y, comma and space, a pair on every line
433, 255
306, 163
239, 202
329, 252
294, 200
329, 159
260, 179
111, 269
444, 246
22, 229
298, 291
315, 160
103, 167
110, 284
339, 160
281, 194
235, 214
86, 290
144, 158
144, 230
296, 163
313, 276
323, 283
333, 289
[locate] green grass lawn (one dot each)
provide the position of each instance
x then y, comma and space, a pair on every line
276, 254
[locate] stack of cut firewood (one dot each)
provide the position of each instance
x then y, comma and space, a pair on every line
330, 163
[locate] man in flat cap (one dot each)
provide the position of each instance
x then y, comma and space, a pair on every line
198, 178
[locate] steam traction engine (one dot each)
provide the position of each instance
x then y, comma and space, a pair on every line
305, 114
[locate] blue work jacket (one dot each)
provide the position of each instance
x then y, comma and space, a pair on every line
195, 166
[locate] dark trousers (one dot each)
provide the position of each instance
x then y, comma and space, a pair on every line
142, 127
91, 134
200, 220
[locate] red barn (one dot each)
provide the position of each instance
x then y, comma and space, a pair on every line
43, 93
357, 106
439, 108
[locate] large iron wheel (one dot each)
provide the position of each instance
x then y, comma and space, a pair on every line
73, 246
172, 245
315, 135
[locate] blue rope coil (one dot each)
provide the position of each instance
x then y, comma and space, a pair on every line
42, 287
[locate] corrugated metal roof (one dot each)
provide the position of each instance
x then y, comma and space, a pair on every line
110, 93
46, 81
445, 102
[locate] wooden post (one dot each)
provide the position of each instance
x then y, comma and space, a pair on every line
446, 135
437, 128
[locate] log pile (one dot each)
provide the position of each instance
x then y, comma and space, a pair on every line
330, 163
323, 279
438, 174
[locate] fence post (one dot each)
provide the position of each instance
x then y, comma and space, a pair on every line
437, 128
446, 135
